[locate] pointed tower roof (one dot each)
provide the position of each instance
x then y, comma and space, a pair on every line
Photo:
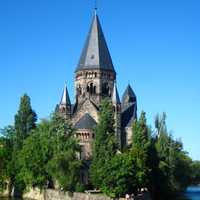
128, 96
65, 100
115, 95
95, 54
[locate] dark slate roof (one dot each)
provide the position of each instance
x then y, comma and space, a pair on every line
86, 122
129, 92
129, 115
95, 54
65, 100
128, 97
115, 95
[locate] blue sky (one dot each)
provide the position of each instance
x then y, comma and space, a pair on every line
155, 46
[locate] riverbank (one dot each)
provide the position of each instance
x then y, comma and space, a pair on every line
36, 194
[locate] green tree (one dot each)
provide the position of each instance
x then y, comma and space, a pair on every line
13, 138
140, 150
105, 145
7, 140
174, 163
25, 120
65, 165
49, 156
119, 175
195, 174
34, 156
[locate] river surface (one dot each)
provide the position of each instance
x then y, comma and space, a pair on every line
192, 193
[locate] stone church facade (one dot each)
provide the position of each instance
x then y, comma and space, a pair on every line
95, 79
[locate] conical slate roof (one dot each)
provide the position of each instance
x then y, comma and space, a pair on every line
65, 100
95, 54
86, 122
115, 95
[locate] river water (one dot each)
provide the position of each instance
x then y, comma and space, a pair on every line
192, 193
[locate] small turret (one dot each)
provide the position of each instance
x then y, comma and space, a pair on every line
128, 98
65, 104
129, 114
117, 113
115, 96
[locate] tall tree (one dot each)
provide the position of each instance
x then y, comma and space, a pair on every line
195, 175
118, 176
105, 145
140, 150
25, 120
174, 163
7, 140
49, 156
65, 165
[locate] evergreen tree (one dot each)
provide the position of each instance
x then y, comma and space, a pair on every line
174, 163
140, 150
105, 145
25, 120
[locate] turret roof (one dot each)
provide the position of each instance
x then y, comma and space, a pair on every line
115, 95
129, 93
65, 100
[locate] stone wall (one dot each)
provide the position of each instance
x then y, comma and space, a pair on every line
36, 194
58, 195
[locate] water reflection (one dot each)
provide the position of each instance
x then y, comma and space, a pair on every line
193, 193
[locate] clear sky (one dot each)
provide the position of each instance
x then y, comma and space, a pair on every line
154, 44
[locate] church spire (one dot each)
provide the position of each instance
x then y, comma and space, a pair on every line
65, 100
95, 54
115, 95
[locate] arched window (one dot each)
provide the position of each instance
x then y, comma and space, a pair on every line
91, 88
94, 90
88, 88
79, 90
63, 109
105, 89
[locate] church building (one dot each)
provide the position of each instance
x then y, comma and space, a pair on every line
95, 79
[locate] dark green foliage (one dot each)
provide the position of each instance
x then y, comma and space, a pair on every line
140, 151
34, 156
25, 120
46, 155
6, 149
140, 133
65, 165
119, 176
195, 178
174, 164
105, 145
49, 154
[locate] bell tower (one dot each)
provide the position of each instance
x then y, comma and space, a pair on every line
95, 74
